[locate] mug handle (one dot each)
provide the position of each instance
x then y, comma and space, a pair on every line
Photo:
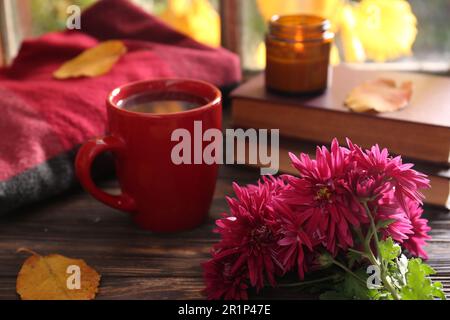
83, 163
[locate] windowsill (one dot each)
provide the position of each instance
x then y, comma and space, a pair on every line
441, 67
438, 68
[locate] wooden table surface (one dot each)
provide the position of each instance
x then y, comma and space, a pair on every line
137, 264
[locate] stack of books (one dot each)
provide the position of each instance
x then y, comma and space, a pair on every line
420, 132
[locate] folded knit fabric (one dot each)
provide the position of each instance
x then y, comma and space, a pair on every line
43, 120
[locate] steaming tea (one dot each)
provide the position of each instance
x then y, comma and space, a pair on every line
161, 103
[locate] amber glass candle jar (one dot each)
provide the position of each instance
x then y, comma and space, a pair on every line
298, 54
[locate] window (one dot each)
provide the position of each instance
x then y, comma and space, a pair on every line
25, 18
430, 50
244, 26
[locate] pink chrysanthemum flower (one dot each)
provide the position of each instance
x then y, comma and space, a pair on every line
405, 181
294, 239
321, 195
387, 209
252, 231
274, 187
225, 279
415, 243
283, 223
366, 187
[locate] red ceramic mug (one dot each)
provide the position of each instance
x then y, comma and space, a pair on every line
160, 195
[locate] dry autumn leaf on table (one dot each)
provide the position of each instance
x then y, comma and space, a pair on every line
92, 62
51, 278
381, 95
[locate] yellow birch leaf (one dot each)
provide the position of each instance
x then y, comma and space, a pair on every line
196, 18
92, 62
51, 278
352, 46
387, 29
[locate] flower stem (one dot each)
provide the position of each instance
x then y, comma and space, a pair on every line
363, 254
304, 283
373, 227
343, 267
377, 262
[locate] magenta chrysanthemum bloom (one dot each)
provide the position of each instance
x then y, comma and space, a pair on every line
284, 223
273, 186
294, 239
415, 243
225, 279
405, 181
388, 209
366, 187
251, 230
321, 195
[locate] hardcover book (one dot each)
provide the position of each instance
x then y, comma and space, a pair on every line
419, 131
